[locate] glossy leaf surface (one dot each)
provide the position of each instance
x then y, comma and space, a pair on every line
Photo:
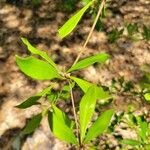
100, 125
86, 110
36, 69
60, 129
99, 58
36, 51
84, 85
72, 22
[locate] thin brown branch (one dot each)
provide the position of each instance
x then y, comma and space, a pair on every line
91, 31
74, 112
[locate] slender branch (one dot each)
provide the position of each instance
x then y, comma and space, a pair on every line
91, 31
74, 112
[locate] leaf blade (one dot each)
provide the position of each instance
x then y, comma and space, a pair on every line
33, 99
36, 69
60, 129
36, 51
100, 58
84, 85
87, 102
72, 22
62, 116
100, 125
32, 124
130, 142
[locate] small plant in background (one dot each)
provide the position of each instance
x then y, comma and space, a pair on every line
146, 32
137, 124
145, 83
114, 35
130, 31
82, 129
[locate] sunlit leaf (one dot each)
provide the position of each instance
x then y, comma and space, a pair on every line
130, 142
36, 51
62, 116
86, 1
84, 85
33, 99
87, 107
101, 94
60, 129
100, 125
147, 97
32, 124
99, 58
53, 96
143, 130
72, 22
36, 69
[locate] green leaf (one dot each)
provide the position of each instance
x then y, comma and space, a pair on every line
53, 96
132, 28
130, 142
114, 35
86, 1
62, 116
101, 94
87, 107
32, 124
147, 97
84, 85
29, 102
60, 129
146, 33
36, 51
100, 58
72, 22
147, 147
100, 125
33, 99
143, 130
36, 69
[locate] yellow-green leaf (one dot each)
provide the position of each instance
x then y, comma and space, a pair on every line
100, 125
36, 69
131, 142
99, 58
62, 116
84, 85
147, 97
72, 22
60, 129
86, 110
36, 51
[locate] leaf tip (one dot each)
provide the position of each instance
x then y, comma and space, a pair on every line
24, 40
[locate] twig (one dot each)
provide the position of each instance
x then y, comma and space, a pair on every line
91, 31
74, 112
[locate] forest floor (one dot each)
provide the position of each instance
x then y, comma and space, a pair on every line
40, 26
